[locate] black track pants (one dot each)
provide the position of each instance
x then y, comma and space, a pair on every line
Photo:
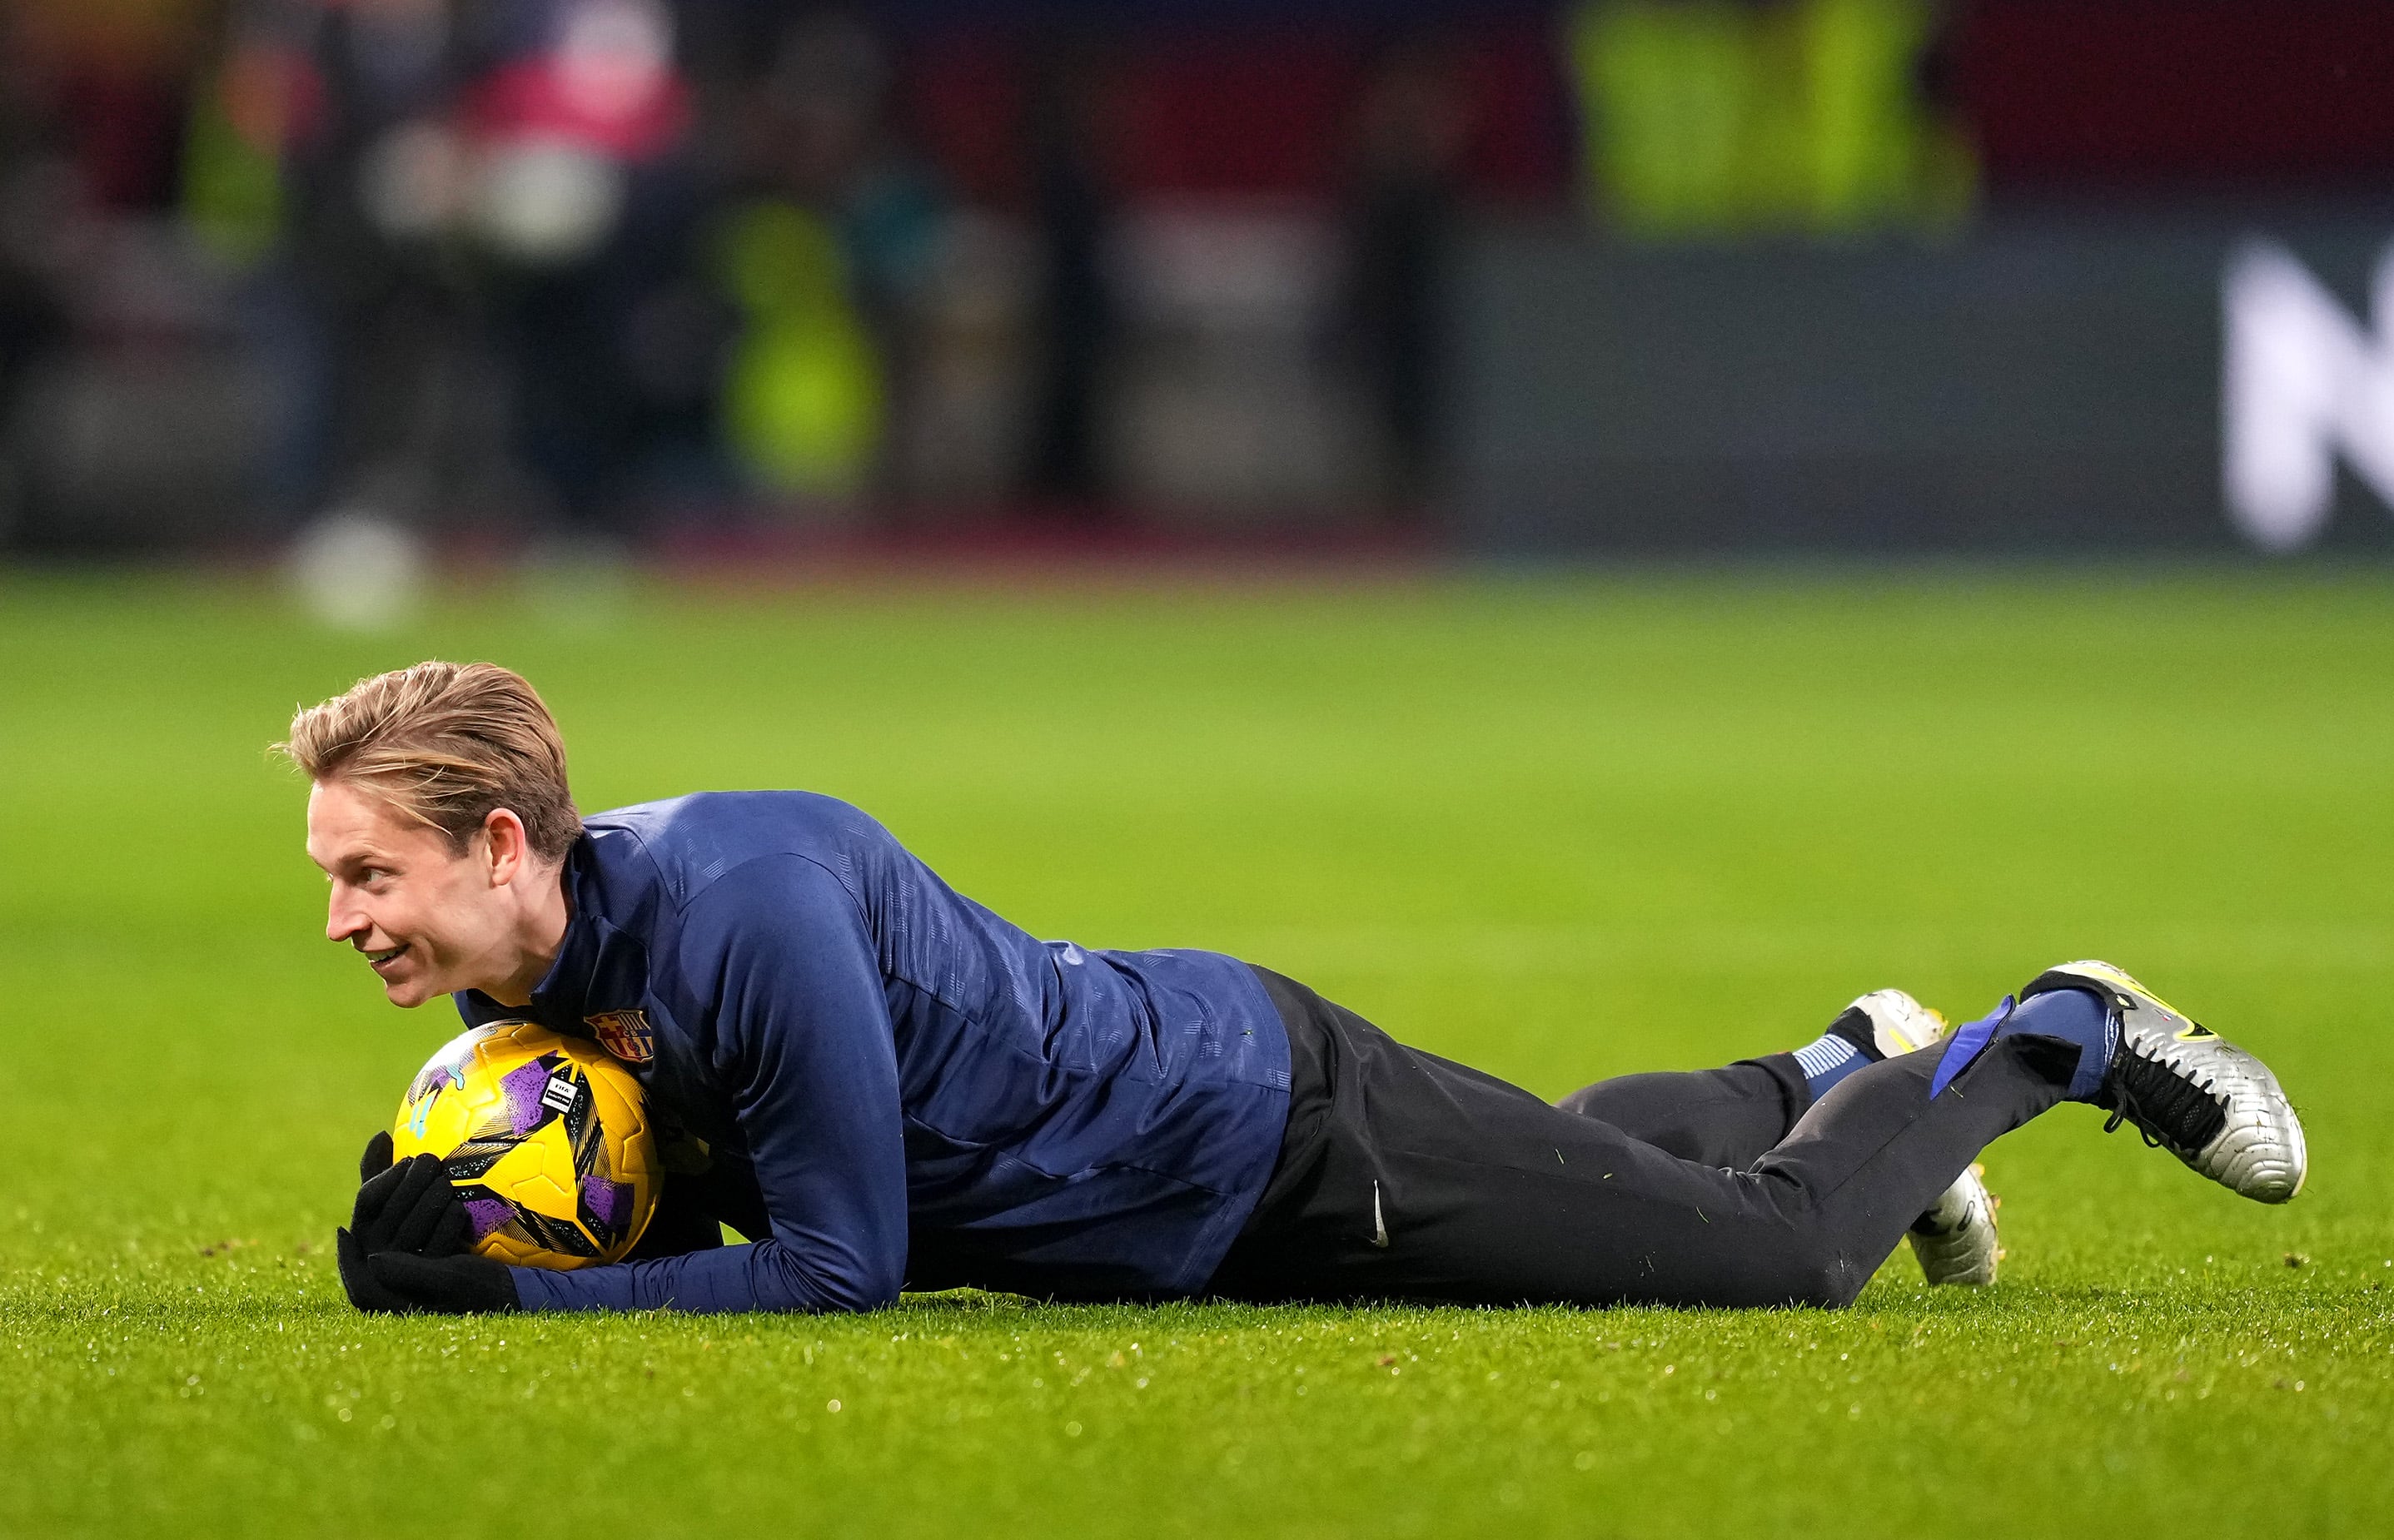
1404, 1176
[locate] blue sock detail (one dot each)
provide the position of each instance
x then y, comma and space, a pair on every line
1962, 1050
2077, 1016
1827, 1060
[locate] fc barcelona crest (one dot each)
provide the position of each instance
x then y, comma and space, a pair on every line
624, 1033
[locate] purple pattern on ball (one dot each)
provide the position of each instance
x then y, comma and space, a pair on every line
522, 1088
488, 1214
609, 1202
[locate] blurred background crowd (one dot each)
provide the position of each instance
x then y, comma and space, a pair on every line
650, 268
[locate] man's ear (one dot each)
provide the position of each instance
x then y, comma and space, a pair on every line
506, 847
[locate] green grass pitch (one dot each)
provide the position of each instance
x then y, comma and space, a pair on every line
1561, 828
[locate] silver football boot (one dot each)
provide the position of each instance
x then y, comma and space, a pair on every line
1955, 1241
2189, 1090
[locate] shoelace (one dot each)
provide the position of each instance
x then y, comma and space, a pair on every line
2169, 1110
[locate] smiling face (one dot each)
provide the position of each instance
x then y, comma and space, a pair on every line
427, 920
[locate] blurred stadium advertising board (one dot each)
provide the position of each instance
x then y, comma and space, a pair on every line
2062, 385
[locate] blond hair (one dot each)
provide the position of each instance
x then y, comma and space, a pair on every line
445, 744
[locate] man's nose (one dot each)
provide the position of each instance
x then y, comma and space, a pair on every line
343, 920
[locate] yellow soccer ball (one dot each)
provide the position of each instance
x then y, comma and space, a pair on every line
545, 1139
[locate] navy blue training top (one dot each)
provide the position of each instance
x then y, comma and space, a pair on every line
924, 1094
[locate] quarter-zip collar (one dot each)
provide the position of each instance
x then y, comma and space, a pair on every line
598, 968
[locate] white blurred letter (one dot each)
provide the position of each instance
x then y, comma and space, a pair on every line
2301, 379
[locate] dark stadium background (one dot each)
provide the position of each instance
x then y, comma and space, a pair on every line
713, 278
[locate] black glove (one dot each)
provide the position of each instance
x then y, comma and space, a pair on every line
409, 1208
462, 1285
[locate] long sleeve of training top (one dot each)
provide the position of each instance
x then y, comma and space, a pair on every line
802, 1042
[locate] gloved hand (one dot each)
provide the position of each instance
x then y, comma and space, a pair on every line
462, 1285
409, 1210
410, 1207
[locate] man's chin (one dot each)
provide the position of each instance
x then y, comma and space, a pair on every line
406, 994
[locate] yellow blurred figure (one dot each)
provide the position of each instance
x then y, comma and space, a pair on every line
1718, 117
232, 158
803, 400
1670, 93
1878, 155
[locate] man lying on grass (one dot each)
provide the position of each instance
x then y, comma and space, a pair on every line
901, 1090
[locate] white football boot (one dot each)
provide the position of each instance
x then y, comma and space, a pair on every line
1899, 1025
2189, 1090
1955, 1241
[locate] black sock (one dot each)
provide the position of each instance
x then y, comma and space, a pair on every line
1837, 1052
1855, 1028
